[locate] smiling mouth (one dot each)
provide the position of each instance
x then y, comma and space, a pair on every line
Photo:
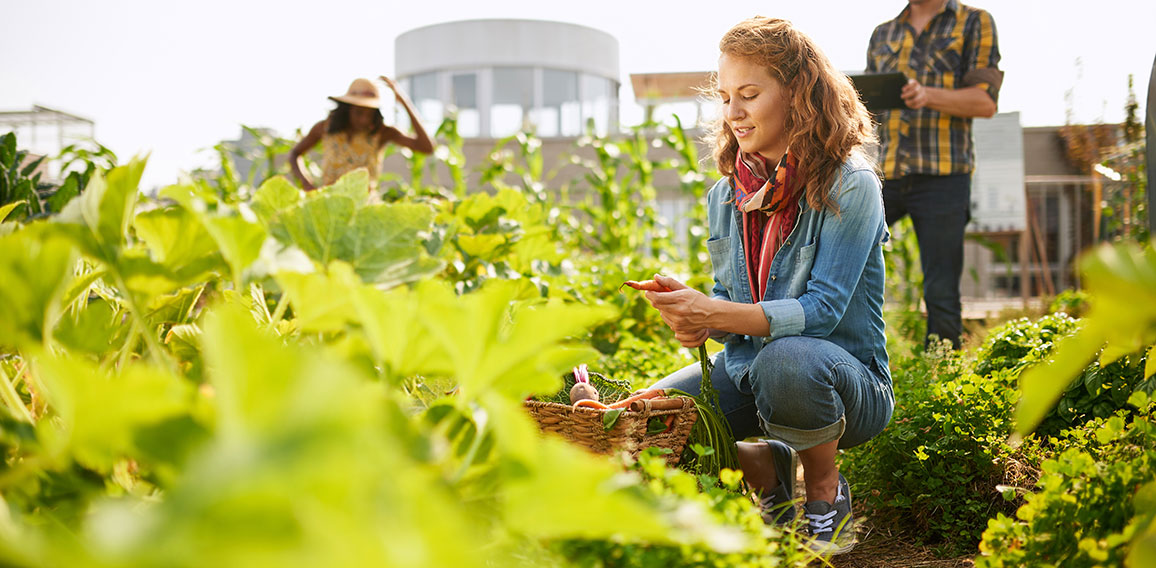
742, 130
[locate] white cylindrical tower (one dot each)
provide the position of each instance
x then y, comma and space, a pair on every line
505, 75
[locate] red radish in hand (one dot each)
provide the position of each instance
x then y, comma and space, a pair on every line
582, 389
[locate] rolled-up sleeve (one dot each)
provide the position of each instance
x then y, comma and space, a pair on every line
981, 56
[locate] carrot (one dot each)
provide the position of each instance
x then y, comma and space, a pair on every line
591, 404
645, 286
652, 393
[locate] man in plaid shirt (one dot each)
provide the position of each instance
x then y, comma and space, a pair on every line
950, 55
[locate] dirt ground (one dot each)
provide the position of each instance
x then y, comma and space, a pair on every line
877, 548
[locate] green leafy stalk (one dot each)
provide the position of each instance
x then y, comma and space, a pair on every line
11, 398
711, 430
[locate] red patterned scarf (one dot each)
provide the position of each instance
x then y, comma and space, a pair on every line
769, 209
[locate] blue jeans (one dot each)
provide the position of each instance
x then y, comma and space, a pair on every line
804, 391
939, 207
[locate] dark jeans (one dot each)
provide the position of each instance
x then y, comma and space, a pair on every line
939, 207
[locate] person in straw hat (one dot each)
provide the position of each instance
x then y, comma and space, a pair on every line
354, 135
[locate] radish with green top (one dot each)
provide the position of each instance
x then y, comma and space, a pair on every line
582, 389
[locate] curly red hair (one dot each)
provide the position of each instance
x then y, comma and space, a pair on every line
825, 122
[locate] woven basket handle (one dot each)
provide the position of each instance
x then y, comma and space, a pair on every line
673, 403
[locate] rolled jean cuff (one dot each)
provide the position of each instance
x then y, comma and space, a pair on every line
805, 439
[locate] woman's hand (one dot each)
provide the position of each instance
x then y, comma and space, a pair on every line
393, 87
684, 309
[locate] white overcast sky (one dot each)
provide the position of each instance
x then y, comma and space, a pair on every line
173, 78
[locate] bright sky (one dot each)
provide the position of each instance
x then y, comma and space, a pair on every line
174, 78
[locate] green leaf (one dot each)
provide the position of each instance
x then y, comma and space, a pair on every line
1150, 362
177, 241
105, 207
191, 196
99, 413
36, 266
513, 346
655, 426
321, 301
316, 226
277, 194
239, 241
482, 245
354, 185
1143, 546
146, 279
610, 418
382, 242
96, 329
6, 209
65, 193
609, 507
1122, 281
31, 166
392, 324
175, 308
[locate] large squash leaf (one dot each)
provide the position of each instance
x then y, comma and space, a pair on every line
382, 242
36, 266
105, 210
99, 413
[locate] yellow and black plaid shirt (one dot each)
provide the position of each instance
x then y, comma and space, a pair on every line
957, 49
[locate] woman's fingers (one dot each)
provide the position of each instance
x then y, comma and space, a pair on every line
646, 285
693, 339
670, 283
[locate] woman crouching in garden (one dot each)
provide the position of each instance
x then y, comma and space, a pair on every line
796, 235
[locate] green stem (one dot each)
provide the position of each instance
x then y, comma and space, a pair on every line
279, 311
12, 398
142, 327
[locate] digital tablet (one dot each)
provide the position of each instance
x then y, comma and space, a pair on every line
880, 91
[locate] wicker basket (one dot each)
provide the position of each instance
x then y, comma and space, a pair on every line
584, 426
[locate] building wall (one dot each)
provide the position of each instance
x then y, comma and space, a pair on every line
501, 76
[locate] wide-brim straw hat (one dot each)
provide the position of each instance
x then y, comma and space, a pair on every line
362, 93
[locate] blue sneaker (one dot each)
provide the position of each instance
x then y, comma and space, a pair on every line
832, 526
778, 505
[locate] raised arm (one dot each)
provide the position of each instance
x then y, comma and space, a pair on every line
420, 141
306, 144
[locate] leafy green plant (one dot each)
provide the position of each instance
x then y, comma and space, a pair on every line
1121, 322
24, 195
254, 379
747, 541
1086, 510
935, 468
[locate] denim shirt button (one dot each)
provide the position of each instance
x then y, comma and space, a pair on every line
772, 277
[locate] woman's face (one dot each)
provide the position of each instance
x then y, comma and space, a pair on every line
360, 118
754, 106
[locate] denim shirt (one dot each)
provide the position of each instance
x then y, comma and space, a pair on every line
825, 281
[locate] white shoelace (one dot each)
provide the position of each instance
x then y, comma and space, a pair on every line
822, 523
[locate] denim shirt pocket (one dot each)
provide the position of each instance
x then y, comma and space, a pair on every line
801, 271
720, 259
